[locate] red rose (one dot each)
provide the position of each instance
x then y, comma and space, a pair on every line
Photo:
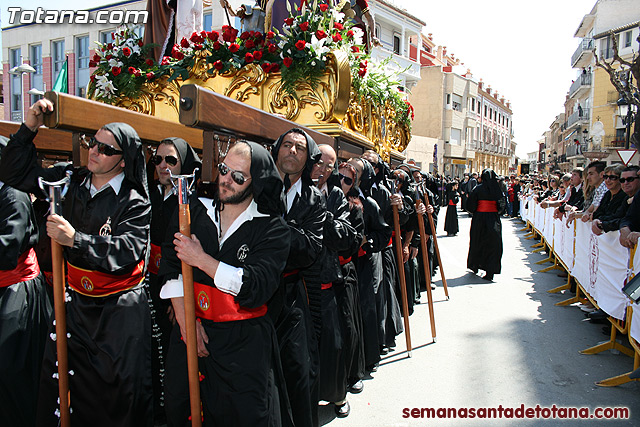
234, 47
271, 35
175, 52
320, 34
149, 62
92, 77
257, 55
197, 46
108, 57
115, 71
137, 72
304, 26
245, 35
249, 44
213, 35
196, 38
218, 65
362, 72
272, 48
248, 58
300, 44
165, 60
150, 75
92, 64
216, 45
287, 62
275, 68
110, 46
184, 43
140, 43
289, 21
131, 70
96, 58
324, 7
355, 49
349, 33
338, 26
230, 34
266, 67
337, 37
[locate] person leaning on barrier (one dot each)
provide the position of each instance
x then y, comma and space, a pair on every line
104, 233
595, 177
613, 206
630, 224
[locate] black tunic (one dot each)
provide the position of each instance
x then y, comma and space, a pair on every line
25, 311
611, 210
110, 344
485, 244
451, 219
238, 384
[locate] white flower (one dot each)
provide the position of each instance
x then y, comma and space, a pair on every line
104, 87
114, 63
318, 46
358, 34
136, 49
337, 16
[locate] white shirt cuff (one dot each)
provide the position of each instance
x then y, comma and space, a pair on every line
172, 289
228, 279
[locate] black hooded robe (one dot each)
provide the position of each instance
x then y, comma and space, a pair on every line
296, 307
451, 219
25, 310
162, 210
109, 349
486, 203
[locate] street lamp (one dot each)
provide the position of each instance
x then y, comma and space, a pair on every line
21, 70
625, 111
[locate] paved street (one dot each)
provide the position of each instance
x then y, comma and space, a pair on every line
501, 343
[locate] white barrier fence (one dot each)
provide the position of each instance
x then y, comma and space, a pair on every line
598, 263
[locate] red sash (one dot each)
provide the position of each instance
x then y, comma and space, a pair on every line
154, 259
27, 269
451, 203
97, 284
361, 252
487, 206
325, 286
213, 304
343, 261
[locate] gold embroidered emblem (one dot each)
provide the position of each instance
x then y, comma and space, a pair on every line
86, 284
203, 301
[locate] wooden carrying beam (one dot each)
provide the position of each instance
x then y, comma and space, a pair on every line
80, 115
202, 108
48, 140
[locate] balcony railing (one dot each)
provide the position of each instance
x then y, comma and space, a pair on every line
586, 46
583, 81
578, 117
574, 150
613, 141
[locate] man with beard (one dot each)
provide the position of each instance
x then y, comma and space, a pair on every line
340, 240
238, 249
388, 309
486, 203
296, 308
173, 156
25, 308
369, 265
104, 232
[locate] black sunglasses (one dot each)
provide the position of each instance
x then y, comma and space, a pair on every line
630, 179
237, 176
611, 177
346, 179
103, 148
170, 160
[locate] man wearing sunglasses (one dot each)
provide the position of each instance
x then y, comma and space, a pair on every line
297, 306
238, 249
104, 232
340, 240
173, 156
630, 224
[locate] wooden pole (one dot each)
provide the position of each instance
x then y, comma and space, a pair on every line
435, 242
427, 270
189, 310
403, 283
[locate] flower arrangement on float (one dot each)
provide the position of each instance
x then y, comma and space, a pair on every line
299, 53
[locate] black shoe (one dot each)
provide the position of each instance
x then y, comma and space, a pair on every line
356, 387
489, 277
384, 350
372, 368
342, 411
474, 270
